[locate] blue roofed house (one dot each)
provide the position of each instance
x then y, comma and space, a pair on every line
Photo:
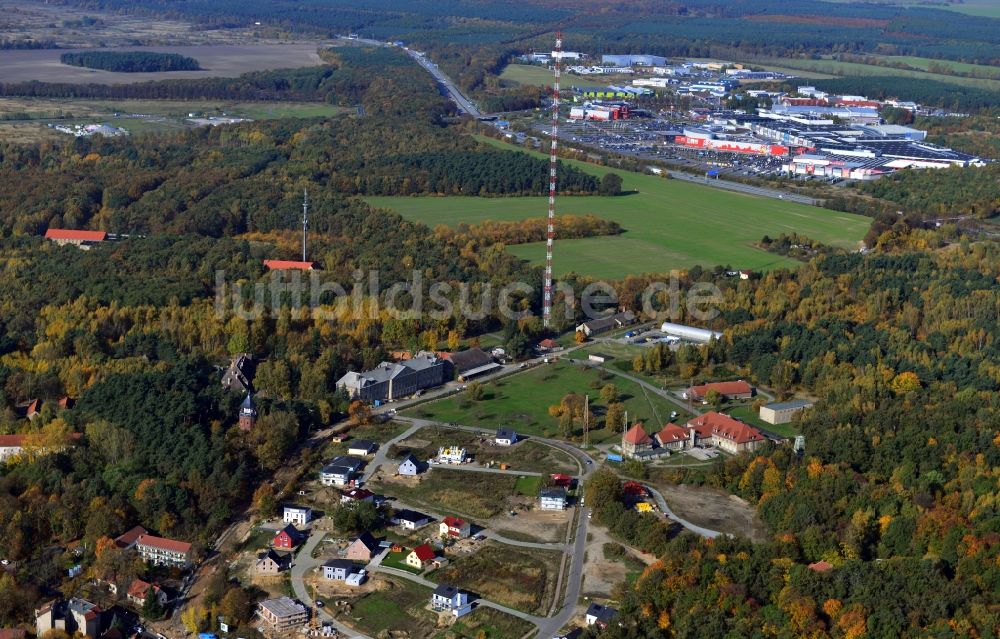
505, 437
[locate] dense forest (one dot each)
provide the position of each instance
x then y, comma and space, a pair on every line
130, 61
897, 488
945, 193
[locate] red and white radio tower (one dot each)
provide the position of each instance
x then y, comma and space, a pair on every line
551, 233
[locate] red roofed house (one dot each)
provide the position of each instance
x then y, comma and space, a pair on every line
81, 239
287, 538
10, 446
548, 345
289, 265
139, 590
726, 433
728, 390
420, 556
636, 441
164, 552
820, 566
128, 539
562, 479
674, 437
356, 496
455, 527
633, 490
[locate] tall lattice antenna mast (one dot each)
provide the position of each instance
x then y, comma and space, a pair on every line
305, 220
551, 232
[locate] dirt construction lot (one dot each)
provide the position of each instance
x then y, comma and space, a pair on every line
714, 509
533, 525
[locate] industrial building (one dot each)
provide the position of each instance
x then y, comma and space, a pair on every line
690, 333
394, 380
630, 60
783, 412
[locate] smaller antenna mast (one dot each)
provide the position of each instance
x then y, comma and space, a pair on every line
305, 220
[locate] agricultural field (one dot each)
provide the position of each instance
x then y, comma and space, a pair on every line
522, 401
669, 224
454, 492
223, 60
526, 456
521, 578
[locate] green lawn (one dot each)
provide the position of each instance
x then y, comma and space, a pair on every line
397, 560
528, 486
522, 401
540, 76
400, 606
961, 67
669, 224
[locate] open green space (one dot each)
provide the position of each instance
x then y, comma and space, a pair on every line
487, 622
669, 224
522, 401
528, 485
521, 578
748, 415
454, 492
401, 605
841, 68
540, 76
959, 67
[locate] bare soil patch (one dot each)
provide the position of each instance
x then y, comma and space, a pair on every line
714, 509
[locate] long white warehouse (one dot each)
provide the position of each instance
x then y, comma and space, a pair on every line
690, 333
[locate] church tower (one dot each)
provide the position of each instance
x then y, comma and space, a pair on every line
248, 414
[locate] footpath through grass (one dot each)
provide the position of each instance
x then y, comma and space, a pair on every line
668, 224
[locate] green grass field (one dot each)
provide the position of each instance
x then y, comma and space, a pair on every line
402, 605
670, 224
522, 402
960, 67
855, 69
493, 624
528, 485
540, 76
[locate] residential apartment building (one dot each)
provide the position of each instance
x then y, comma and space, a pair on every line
164, 552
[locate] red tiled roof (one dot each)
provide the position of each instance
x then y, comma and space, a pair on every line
289, 265
726, 427
163, 544
128, 538
454, 522
424, 552
723, 388
11, 441
672, 433
69, 234
139, 587
548, 343
821, 566
637, 435
359, 494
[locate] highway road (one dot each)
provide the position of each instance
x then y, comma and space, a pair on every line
453, 91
